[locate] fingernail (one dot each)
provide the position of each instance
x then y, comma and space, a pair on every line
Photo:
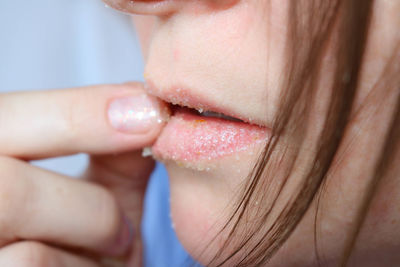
136, 114
125, 237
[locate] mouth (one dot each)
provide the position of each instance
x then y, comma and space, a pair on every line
198, 133
202, 113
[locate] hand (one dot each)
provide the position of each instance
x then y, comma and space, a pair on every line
47, 219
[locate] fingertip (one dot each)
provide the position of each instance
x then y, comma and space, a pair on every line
134, 119
137, 114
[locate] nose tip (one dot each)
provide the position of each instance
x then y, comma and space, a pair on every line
145, 7
168, 7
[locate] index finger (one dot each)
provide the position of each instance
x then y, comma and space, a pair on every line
96, 120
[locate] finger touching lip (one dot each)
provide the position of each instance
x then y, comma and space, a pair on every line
136, 114
97, 120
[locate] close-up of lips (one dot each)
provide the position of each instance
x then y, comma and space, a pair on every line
200, 133
196, 135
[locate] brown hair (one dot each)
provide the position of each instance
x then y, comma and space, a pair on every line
313, 24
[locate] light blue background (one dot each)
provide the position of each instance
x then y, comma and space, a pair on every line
66, 43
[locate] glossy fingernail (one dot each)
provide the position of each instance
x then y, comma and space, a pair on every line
136, 114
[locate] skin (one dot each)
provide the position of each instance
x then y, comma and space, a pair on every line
47, 219
195, 47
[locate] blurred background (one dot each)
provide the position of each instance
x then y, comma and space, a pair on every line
48, 44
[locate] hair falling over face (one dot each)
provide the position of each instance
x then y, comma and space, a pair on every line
314, 25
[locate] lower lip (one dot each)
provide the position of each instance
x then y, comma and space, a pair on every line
190, 139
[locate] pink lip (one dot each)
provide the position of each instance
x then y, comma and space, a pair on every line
193, 140
184, 97
196, 141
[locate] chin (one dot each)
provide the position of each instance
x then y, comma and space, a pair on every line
203, 195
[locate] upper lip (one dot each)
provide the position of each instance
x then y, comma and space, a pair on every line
183, 97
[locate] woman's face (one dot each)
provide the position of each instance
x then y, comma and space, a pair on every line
226, 57
213, 57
